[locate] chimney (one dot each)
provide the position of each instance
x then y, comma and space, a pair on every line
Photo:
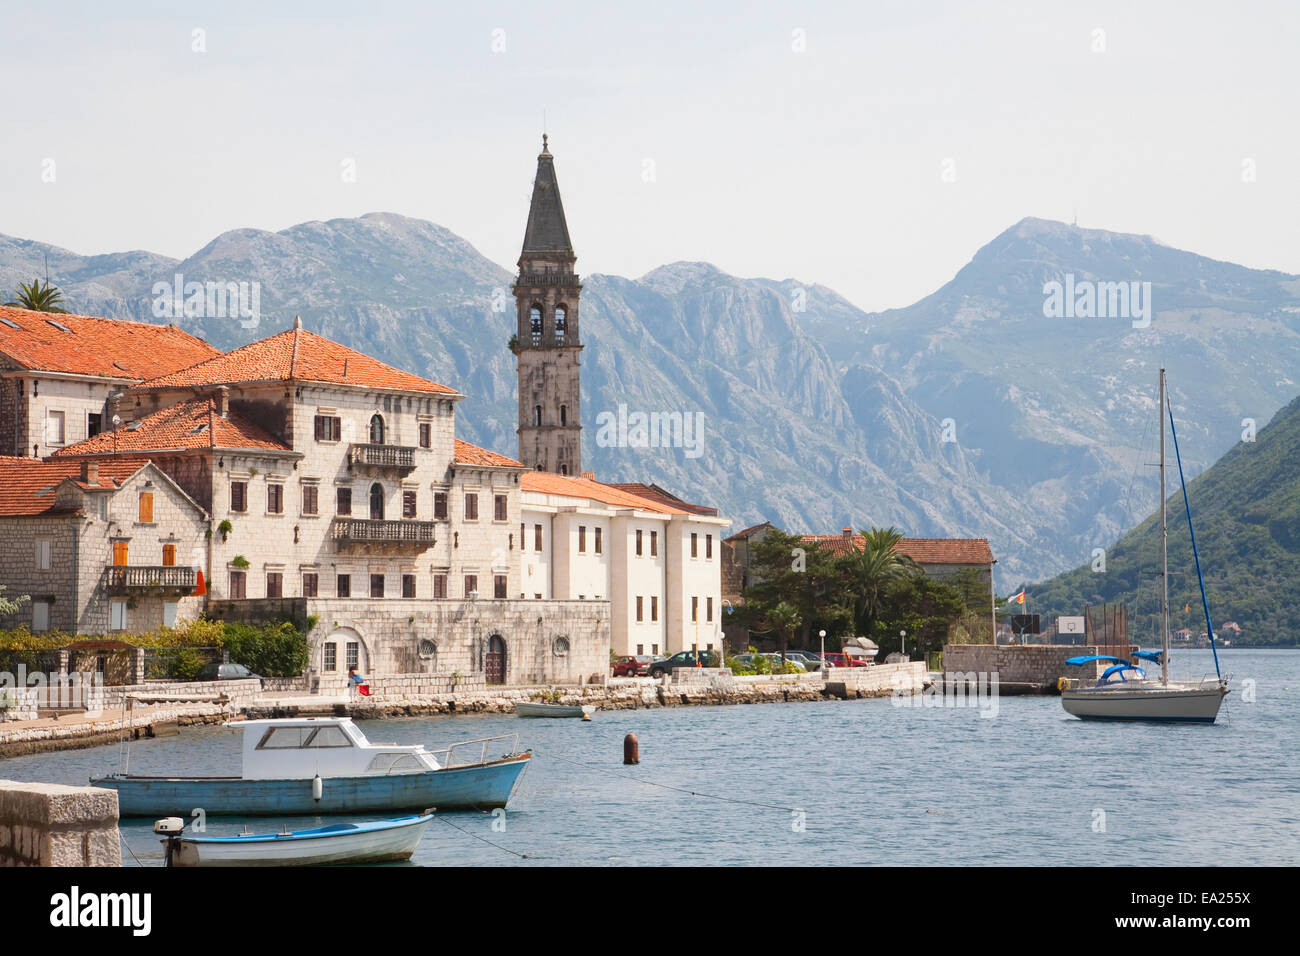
223, 401
848, 532
90, 472
589, 475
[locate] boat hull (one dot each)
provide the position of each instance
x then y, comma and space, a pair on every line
482, 786
525, 709
1192, 705
382, 843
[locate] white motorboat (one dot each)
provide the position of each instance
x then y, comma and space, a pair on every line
526, 708
381, 841
1123, 691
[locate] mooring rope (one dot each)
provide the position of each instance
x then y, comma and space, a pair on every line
122, 837
665, 786
503, 849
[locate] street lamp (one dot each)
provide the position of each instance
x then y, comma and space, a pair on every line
822, 635
902, 636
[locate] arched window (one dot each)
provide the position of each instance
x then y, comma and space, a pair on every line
564, 469
376, 429
537, 415
564, 414
561, 321
535, 323
376, 502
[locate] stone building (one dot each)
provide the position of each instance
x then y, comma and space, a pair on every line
656, 562
97, 547
59, 373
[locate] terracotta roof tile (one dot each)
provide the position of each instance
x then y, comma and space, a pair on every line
750, 530
108, 348
467, 454
27, 485
656, 493
920, 550
296, 355
544, 482
193, 424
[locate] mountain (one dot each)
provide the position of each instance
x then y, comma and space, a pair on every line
968, 413
1246, 508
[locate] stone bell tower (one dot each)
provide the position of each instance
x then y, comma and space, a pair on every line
548, 343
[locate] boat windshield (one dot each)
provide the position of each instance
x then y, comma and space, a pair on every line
302, 738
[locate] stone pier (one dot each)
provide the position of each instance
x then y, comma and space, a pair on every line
48, 824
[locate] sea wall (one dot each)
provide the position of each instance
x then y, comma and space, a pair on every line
1023, 667
48, 824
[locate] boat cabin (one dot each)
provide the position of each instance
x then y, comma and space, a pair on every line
306, 747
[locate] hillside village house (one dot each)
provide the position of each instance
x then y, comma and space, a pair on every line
327, 484
940, 559
59, 373
98, 547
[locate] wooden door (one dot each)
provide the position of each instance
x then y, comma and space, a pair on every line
495, 665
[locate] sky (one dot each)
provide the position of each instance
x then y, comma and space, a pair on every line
868, 147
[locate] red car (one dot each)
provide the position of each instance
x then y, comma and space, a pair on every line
632, 666
838, 660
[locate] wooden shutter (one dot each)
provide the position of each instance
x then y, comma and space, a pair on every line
146, 507
169, 555
119, 554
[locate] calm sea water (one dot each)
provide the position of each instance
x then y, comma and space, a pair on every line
878, 784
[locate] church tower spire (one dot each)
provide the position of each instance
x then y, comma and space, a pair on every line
547, 339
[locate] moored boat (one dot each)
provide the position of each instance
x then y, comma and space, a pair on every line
380, 841
315, 765
525, 708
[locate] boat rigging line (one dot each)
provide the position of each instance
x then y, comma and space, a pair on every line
503, 849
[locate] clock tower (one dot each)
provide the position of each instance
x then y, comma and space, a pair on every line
547, 334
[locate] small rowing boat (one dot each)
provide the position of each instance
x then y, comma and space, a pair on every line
381, 841
531, 709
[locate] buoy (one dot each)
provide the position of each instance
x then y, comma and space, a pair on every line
317, 788
631, 749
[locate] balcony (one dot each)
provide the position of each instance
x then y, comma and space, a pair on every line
541, 280
121, 581
350, 533
384, 457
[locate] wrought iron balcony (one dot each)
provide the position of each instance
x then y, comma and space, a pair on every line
383, 456
122, 580
361, 531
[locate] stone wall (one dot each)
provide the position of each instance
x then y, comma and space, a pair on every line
47, 824
1042, 664
18, 703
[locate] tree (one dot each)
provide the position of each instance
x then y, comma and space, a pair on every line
11, 605
870, 571
39, 296
928, 610
786, 570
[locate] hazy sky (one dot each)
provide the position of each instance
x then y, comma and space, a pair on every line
784, 140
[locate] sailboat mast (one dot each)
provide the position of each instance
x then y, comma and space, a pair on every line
1164, 543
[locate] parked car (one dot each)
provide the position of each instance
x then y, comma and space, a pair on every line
230, 671
840, 660
789, 659
809, 660
633, 666
682, 659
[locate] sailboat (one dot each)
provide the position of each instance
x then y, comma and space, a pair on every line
1124, 691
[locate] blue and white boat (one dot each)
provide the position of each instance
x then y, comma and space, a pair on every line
315, 765
1124, 692
380, 841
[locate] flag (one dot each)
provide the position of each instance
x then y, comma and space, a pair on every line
1017, 598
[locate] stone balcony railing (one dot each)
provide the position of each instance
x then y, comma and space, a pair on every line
347, 531
123, 580
383, 456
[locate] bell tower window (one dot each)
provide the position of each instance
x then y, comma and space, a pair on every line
535, 323
564, 414
561, 321
537, 415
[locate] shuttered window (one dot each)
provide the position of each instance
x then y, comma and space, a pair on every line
146, 507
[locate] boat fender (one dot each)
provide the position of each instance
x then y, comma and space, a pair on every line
317, 788
1062, 683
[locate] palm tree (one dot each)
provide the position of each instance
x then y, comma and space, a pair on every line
785, 620
39, 296
871, 569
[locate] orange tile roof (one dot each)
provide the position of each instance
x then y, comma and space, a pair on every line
296, 355
108, 348
188, 425
467, 454
739, 535
27, 485
920, 550
546, 483
656, 493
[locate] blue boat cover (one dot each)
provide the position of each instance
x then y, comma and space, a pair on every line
1079, 661
1149, 655
1119, 668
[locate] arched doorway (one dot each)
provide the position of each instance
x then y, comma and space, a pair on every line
495, 664
341, 649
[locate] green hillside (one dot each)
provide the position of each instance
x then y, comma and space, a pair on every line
1247, 513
